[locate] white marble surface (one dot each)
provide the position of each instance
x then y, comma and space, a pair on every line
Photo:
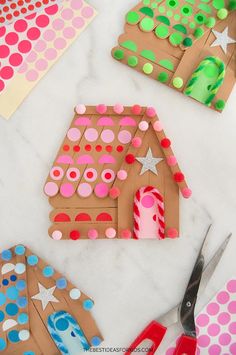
131, 282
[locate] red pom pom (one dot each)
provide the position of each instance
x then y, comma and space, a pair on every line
114, 192
172, 233
130, 158
136, 109
126, 234
74, 235
179, 177
165, 143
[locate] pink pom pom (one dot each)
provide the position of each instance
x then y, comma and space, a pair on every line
186, 192
92, 234
151, 112
118, 108
114, 192
126, 234
143, 126
122, 175
80, 109
110, 233
172, 233
158, 126
136, 109
171, 160
136, 142
101, 109
56, 235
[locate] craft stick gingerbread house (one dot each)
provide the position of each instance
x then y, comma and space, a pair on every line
41, 312
189, 45
115, 175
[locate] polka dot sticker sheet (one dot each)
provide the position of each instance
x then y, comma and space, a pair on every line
216, 324
30, 46
11, 10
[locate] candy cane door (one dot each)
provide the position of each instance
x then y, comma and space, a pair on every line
206, 81
66, 333
148, 214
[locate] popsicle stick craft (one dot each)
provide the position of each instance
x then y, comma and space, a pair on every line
29, 47
41, 312
115, 176
189, 45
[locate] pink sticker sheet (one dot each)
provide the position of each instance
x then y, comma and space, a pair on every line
31, 45
12, 10
216, 324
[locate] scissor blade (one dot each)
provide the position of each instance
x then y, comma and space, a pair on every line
190, 297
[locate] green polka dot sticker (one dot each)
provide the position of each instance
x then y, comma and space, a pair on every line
132, 18
163, 77
118, 54
176, 39
147, 24
148, 68
162, 31
132, 61
178, 82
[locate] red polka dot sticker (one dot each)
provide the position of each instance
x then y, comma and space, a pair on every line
216, 324
21, 8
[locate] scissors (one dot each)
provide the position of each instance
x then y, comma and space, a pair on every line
185, 311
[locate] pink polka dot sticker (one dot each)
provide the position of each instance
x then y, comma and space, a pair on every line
213, 308
20, 25
78, 22
73, 134
223, 318
32, 75
202, 320
231, 286
203, 341
87, 12
50, 54
222, 297
4, 51
213, 329
15, 59
214, 350
76, 4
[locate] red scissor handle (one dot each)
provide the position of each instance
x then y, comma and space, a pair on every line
186, 345
154, 332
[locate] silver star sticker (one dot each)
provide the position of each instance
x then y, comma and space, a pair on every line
222, 39
45, 295
149, 162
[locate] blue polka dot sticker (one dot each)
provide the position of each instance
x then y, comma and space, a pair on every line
6, 255
3, 344
32, 260
23, 318
13, 336
48, 271
20, 250
61, 283
87, 305
96, 341
12, 309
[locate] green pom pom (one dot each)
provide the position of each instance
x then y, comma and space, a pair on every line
198, 33
163, 77
148, 68
132, 61
132, 18
220, 105
178, 82
222, 14
119, 54
187, 42
210, 22
232, 5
